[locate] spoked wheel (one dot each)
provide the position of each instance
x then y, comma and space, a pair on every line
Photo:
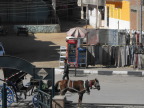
10, 96
35, 100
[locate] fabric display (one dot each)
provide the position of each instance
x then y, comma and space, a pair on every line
120, 56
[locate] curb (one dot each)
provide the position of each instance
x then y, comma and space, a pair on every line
130, 73
101, 72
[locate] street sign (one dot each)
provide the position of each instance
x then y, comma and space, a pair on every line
42, 73
45, 74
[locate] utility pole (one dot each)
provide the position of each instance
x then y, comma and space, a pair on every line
87, 15
96, 14
54, 5
82, 12
141, 12
137, 17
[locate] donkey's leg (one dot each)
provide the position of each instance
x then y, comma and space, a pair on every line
80, 99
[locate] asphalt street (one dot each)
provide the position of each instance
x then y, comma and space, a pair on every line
115, 89
120, 89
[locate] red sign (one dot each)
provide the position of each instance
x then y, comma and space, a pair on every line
72, 41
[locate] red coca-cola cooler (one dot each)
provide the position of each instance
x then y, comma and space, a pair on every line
72, 54
76, 53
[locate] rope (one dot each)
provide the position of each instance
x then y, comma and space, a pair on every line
68, 87
77, 90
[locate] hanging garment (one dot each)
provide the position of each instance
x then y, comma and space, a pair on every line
122, 38
127, 39
133, 39
110, 54
132, 47
113, 54
142, 61
135, 60
139, 61
105, 55
127, 55
93, 55
116, 55
137, 38
100, 54
88, 55
121, 56
97, 56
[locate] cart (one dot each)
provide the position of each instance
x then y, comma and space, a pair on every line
14, 85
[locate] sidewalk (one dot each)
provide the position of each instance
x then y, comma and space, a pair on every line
104, 71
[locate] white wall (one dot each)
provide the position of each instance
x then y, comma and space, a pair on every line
113, 23
92, 18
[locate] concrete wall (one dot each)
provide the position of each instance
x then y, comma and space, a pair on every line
53, 28
118, 24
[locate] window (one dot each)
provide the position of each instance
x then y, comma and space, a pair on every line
133, 10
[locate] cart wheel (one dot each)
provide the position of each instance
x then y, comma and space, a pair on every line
35, 101
10, 96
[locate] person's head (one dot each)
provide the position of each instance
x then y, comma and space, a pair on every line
65, 60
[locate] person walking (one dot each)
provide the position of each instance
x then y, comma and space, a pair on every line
66, 70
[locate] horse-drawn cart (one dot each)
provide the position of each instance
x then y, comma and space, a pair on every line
14, 71
14, 85
15, 88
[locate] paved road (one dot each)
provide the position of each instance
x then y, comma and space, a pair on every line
115, 89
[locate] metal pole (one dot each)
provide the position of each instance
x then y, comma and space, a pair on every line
53, 82
97, 14
75, 69
137, 28
87, 15
141, 21
4, 96
82, 13
53, 86
54, 5
40, 84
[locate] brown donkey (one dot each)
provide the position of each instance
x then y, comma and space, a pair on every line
78, 86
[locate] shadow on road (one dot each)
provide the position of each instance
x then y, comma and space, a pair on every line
30, 48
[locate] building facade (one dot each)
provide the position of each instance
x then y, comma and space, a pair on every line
118, 14
24, 12
110, 14
135, 15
